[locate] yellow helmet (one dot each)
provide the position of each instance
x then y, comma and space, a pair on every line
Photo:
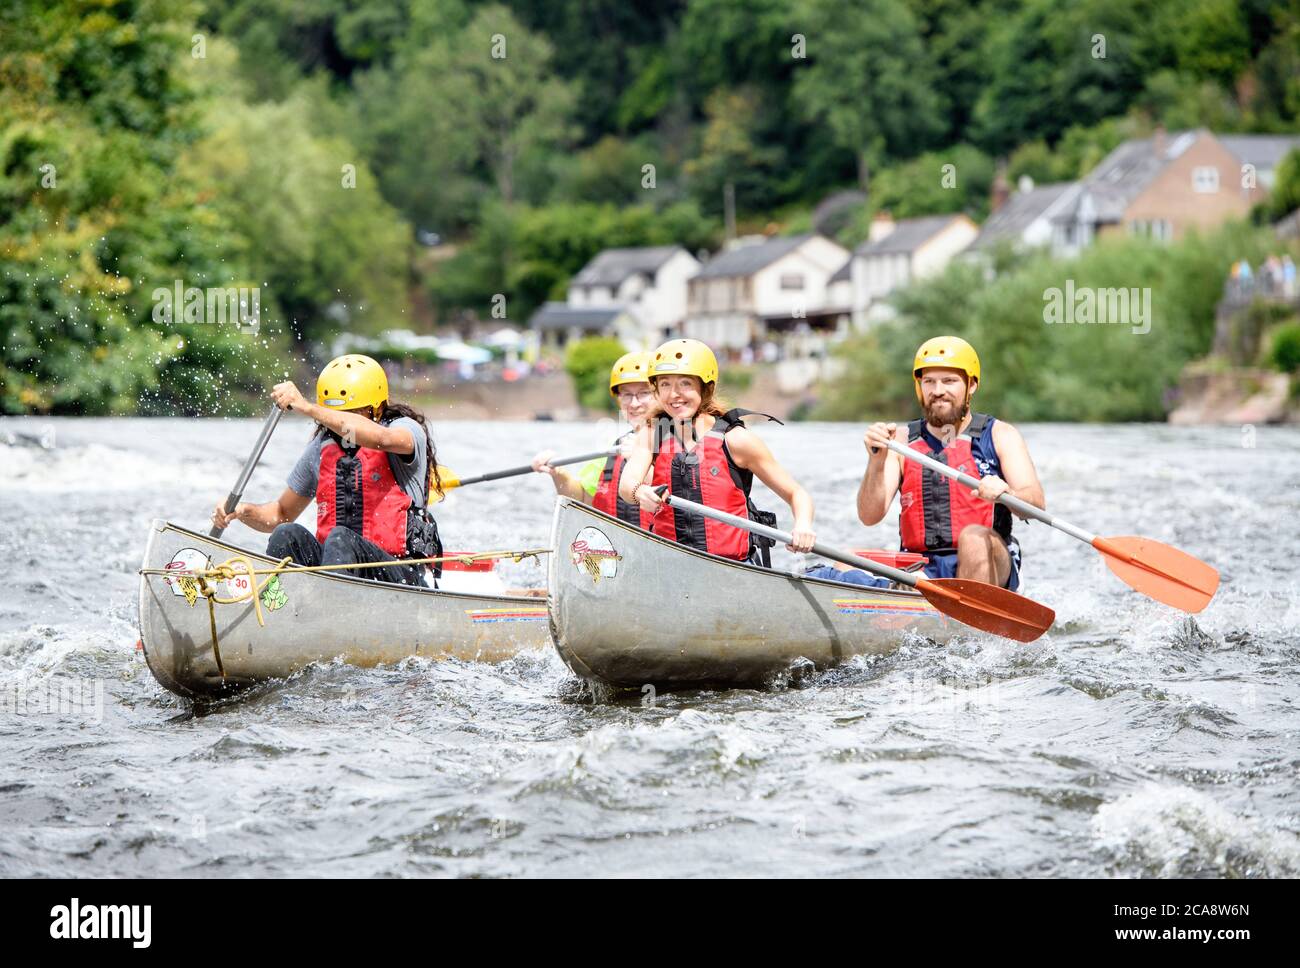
952, 352
685, 356
352, 381
630, 368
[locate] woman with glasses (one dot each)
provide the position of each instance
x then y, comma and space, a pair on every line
596, 483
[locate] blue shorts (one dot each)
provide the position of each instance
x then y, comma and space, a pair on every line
853, 576
945, 566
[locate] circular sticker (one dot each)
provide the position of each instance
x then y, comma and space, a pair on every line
593, 554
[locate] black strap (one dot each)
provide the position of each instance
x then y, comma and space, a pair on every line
736, 417
978, 421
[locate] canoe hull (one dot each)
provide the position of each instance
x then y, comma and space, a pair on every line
629, 609
311, 617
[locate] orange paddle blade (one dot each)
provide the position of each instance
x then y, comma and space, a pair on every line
1160, 572
988, 607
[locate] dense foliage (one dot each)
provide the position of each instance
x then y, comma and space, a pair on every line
302, 147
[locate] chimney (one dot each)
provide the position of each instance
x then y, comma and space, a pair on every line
1001, 190
1158, 142
881, 225
1025, 184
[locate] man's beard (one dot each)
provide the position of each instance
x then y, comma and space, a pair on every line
944, 413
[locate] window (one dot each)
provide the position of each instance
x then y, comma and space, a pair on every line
1157, 228
1205, 179
792, 280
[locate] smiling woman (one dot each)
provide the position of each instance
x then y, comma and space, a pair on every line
695, 448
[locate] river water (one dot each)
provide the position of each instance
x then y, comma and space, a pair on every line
1129, 741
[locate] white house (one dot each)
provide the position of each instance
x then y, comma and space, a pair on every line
557, 324
895, 253
762, 289
839, 289
648, 281
1031, 218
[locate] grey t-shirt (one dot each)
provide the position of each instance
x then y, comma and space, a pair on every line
408, 469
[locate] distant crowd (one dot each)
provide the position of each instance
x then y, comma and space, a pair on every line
1275, 278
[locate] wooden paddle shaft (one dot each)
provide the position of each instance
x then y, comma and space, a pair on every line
894, 574
528, 468
268, 428
1010, 500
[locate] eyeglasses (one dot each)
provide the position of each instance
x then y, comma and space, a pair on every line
637, 396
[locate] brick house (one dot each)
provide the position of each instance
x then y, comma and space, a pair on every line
1164, 185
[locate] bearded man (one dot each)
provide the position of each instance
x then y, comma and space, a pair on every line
962, 531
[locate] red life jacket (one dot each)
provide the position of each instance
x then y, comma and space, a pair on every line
357, 489
706, 475
606, 497
936, 509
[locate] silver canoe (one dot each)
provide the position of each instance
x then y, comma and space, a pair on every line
310, 617
629, 608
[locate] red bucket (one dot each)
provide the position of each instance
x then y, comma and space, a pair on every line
903, 560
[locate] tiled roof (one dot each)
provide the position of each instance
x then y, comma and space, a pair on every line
1129, 169
558, 315
1261, 150
612, 266
748, 259
909, 234
1020, 211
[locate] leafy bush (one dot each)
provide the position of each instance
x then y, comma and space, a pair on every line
589, 361
1286, 347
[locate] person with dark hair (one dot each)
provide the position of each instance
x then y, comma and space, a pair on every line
369, 466
703, 452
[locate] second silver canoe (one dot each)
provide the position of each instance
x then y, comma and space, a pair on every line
629, 608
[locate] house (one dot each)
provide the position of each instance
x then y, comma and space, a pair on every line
895, 253
1027, 219
557, 324
648, 281
1262, 152
1166, 184
839, 288
761, 288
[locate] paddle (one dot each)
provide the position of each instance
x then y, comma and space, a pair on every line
268, 428
974, 603
450, 480
1156, 570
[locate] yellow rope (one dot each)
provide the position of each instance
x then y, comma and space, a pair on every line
222, 572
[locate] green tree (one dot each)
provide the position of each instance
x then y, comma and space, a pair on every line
506, 96
730, 157
1285, 196
312, 222
588, 361
94, 216
1053, 66
867, 80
